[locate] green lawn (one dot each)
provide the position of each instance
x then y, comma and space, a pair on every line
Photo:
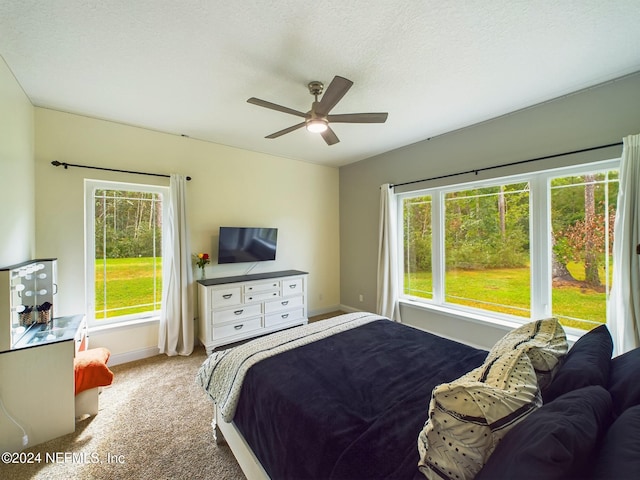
507, 290
130, 286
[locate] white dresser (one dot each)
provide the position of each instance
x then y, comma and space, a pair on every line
241, 307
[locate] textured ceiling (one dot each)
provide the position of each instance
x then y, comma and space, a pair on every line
188, 67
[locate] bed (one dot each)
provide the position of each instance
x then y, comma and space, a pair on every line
362, 397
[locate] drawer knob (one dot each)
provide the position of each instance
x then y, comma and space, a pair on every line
238, 312
286, 302
293, 285
285, 315
227, 296
238, 327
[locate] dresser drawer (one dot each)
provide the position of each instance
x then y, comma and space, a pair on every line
276, 318
233, 314
262, 287
226, 297
240, 307
236, 328
283, 304
261, 297
292, 286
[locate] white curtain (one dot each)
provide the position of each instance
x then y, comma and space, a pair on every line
388, 305
624, 302
176, 336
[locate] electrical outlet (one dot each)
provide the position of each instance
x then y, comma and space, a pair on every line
361, 298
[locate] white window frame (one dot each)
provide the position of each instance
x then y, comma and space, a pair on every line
540, 246
90, 188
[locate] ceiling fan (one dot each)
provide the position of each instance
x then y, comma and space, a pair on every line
318, 118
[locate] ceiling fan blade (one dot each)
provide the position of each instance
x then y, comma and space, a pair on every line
275, 106
332, 95
329, 136
286, 130
358, 118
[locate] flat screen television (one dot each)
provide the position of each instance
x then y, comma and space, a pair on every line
244, 244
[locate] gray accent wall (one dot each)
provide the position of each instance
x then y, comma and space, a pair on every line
592, 117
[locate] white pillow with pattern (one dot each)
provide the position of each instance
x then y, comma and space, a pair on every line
469, 416
544, 341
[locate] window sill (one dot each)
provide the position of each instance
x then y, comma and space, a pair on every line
502, 322
124, 324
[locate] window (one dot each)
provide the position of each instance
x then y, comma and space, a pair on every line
583, 211
418, 279
527, 246
486, 239
123, 251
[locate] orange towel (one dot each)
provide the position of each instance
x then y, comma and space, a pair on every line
91, 369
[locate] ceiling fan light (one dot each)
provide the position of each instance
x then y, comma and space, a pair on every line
317, 125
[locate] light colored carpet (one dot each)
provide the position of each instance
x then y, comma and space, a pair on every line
154, 423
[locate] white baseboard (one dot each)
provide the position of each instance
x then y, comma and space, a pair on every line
126, 357
348, 309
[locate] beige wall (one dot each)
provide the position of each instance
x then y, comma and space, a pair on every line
597, 116
17, 219
230, 186
17, 226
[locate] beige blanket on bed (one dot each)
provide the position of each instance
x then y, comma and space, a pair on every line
222, 374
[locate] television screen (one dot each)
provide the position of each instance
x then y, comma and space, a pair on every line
242, 244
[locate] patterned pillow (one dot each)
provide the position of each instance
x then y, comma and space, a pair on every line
469, 416
544, 341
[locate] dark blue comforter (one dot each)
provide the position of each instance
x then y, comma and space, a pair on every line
349, 406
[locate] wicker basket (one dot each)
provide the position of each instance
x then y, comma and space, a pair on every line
44, 312
44, 316
26, 317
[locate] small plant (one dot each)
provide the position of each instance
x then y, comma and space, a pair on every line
201, 260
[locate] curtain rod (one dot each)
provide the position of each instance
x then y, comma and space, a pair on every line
56, 163
478, 170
